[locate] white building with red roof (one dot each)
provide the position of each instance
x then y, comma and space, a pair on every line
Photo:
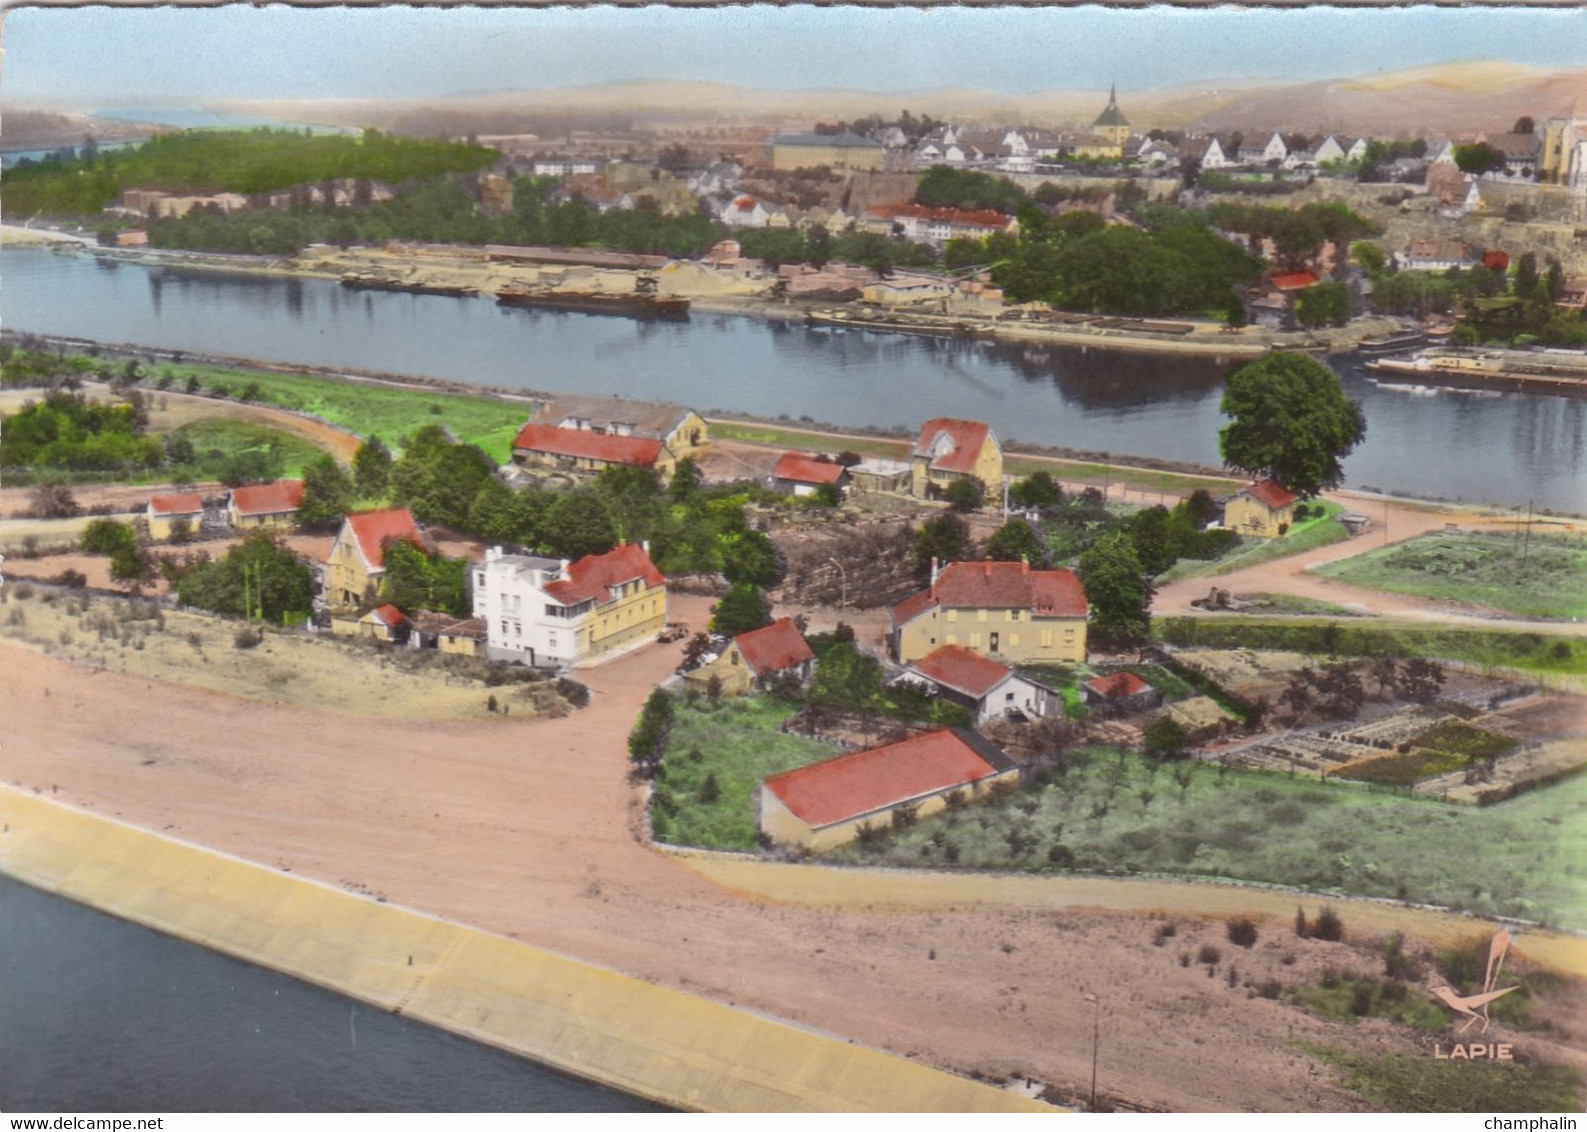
166, 510
798, 473
553, 613
987, 689
1264, 509
949, 450
827, 804
356, 565
1125, 691
265, 504
1002, 610
775, 650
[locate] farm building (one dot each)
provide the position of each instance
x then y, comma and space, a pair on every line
357, 560
876, 476
580, 450
384, 623
165, 510
683, 431
265, 505
987, 689
464, 636
825, 805
950, 450
798, 474
1262, 510
1003, 610
1122, 690
755, 656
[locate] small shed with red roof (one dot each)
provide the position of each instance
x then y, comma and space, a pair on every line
1121, 691
775, 650
166, 510
985, 688
384, 623
1265, 509
797, 473
265, 504
827, 804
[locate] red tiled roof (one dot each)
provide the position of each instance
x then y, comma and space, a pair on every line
964, 671
773, 648
1118, 686
187, 504
591, 577
639, 451
388, 615
373, 529
1270, 493
967, 438
1294, 281
268, 498
806, 469
1495, 260
998, 585
966, 217
865, 781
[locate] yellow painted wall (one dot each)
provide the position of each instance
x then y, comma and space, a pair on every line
988, 469
780, 824
346, 578
692, 437
1022, 638
652, 1041
729, 668
460, 646
1252, 517
633, 617
283, 522
160, 525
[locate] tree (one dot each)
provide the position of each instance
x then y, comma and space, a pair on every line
1292, 422
741, 609
55, 501
371, 468
1117, 590
1038, 490
685, 483
258, 577
1017, 541
1164, 738
1421, 680
327, 494
846, 679
965, 495
107, 536
579, 523
1370, 257
1478, 158
751, 559
944, 538
1523, 125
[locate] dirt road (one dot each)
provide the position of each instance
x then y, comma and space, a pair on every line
529, 830
1393, 522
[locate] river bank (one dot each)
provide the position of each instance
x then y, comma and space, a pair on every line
445, 274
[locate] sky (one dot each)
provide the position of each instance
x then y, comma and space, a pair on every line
99, 57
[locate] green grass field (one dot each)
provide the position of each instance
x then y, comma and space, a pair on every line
777, 436
1121, 813
1546, 579
1418, 1082
370, 409
1308, 535
738, 743
233, 437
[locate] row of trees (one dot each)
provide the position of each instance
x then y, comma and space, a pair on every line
239, 161
1297, 234
817, 247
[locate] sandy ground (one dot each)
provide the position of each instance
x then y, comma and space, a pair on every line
1405, 520
528, 829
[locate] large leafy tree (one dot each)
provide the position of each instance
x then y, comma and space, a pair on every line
371, 467
1117, 590
741, 609
750, 557
327, 494
1291, 422
416, 580
259, 576
1017, 541
579, 523
945, 538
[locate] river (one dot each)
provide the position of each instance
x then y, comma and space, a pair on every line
100, 1015
1510, 448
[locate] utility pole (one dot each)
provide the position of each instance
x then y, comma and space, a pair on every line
1096, 1035
843, 583
1526, 550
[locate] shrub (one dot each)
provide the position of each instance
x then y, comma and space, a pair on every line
1361, 999
1165, 932
251, 638
1208, 954
1271, 988
1242, 933
1328, 926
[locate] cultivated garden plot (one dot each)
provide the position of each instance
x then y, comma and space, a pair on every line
1115, 812
1541, 575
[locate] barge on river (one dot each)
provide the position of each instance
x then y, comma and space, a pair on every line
1514, 370
644, 304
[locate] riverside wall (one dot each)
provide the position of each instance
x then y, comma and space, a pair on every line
670, 1047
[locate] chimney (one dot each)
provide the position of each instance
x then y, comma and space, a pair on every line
644, 544
934, 570
988, 566
1024, 565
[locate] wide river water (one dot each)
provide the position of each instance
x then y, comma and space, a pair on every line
1495, 447
100, 1015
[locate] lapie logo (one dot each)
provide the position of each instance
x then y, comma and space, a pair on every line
1474, 1007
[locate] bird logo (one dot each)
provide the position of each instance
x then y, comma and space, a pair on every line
1474, 1007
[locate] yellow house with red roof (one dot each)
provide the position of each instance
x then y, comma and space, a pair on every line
1262, 510
827, 804
757, 655
357, 561
272, 505
1002, 610
164, 511
950, 450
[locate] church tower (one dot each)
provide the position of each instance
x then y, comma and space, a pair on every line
1111, 123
